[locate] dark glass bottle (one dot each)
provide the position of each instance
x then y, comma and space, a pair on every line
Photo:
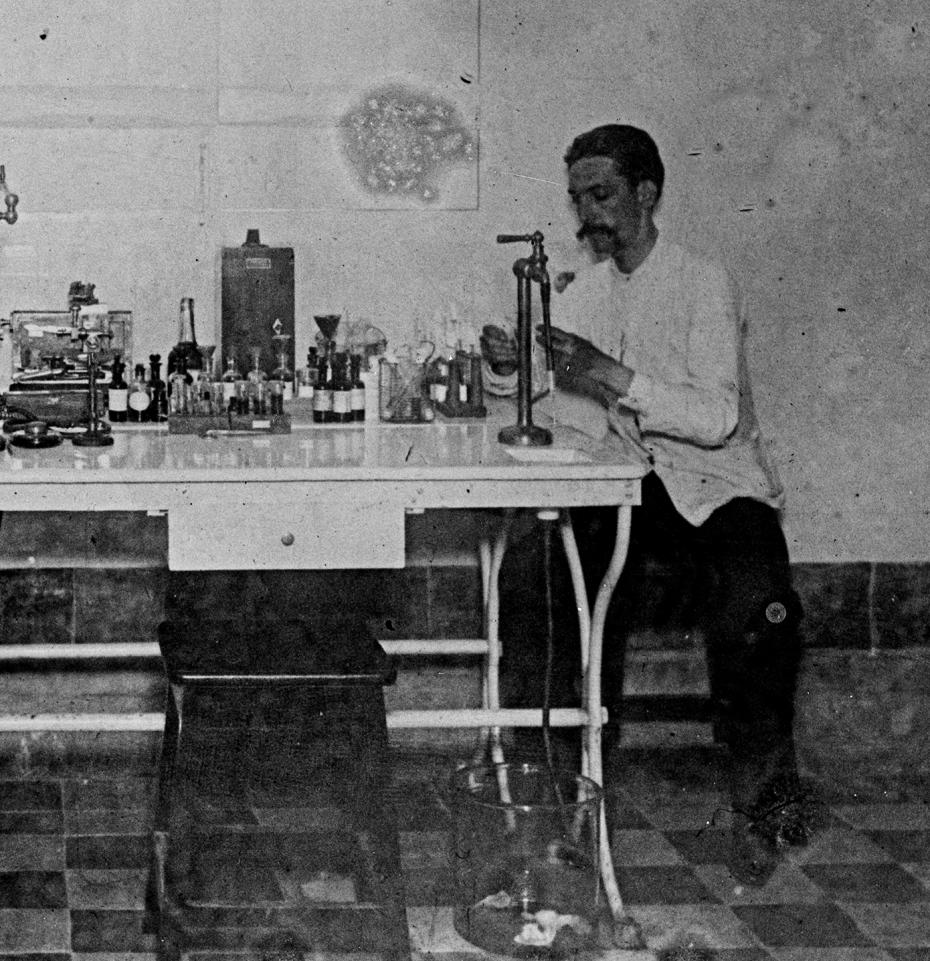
342, 391
309, 375
159, 407
118, 393
186, 347
139, 400
358, 388
323, 392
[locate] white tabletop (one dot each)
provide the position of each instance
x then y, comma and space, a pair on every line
321, 496
374, 451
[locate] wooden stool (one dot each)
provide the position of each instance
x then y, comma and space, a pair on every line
274, 832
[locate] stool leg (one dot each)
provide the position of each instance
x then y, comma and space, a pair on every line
382, 820
155, 885
155, 889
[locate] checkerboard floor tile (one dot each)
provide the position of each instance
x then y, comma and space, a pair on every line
74, 859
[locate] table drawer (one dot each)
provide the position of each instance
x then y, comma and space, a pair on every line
300, 534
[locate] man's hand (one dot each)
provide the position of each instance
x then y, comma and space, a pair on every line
499, 349
584, 369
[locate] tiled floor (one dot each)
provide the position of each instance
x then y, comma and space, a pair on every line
74, 850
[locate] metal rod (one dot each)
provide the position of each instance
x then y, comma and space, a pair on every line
524, 352
135, 650
504, 717
78, 652
82, 722
396, 720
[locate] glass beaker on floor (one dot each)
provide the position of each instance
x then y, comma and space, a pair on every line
525, 860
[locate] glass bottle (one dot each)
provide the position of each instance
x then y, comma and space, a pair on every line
231, 377
323, 392
275, 397
439, 380
118, 394
140, 398
358, 388
475, 384
211, 386
309, 375
202, 383
159, 389
179, 388
186, 346
258, 388
342, 390
282, 374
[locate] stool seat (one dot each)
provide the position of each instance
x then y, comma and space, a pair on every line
274, 829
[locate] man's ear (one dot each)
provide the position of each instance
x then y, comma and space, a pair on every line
647, 194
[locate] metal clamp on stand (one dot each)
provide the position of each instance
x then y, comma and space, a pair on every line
97, 433
528, 270
10, 199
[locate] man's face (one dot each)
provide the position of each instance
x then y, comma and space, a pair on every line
612, 214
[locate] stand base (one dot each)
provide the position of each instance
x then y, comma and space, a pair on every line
525, 436
92, 439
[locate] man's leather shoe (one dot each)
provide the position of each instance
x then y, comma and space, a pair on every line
753, 858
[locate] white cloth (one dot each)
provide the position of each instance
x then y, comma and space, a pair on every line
679, 323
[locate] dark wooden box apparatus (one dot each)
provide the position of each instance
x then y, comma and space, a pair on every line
257, 299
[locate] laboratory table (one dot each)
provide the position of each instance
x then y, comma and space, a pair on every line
336, 497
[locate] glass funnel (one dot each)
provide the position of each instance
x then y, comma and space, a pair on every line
327, 324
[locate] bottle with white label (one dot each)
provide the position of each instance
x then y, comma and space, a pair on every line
308, 376
139, 400
358, 400
118, 394
323, 391
342, 391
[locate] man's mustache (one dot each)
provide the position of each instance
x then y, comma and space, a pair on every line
589, 230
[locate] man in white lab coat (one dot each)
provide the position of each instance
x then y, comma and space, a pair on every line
650, 337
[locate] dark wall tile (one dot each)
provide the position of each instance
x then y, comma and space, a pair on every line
30, 796
454, 599
36, 606
861, 721
66, 538
393, 602
901, 604
118, 605
836, 604
211, 593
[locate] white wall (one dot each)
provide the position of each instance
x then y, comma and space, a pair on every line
141, 139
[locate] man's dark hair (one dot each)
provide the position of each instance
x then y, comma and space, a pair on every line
632, 149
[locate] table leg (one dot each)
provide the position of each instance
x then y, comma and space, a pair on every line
570, 546
592, 704
491, 680
485, 558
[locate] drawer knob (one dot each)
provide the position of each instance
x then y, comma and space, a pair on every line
287, 540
